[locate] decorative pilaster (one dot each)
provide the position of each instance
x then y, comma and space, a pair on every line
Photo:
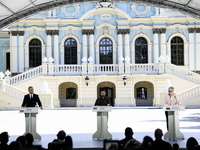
155, 44
91, 37
56, 50
119, 35
84, 34
191, 47
49, 43
163, 42
126, 41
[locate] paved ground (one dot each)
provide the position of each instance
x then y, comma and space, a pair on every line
81, 124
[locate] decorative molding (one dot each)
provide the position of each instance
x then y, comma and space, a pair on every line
157, 30
176, 30
71, 14
138, 13
191, 30
125, 31
141, 31
104, 4
15, 33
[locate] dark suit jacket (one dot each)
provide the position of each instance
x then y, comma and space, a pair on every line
27, 102
102, 102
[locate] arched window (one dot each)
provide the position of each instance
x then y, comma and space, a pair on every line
141, 51
141, 93
70, 51
70, 93
35, 53
106, 51
177, 51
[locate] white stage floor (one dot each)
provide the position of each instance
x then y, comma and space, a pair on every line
80, 124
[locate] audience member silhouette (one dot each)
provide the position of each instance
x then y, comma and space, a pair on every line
60, 136
4, 138
191, 142
128, 136
22, 141
15, 145
175, 146
67, 144
147, 143
159, 144
29, 139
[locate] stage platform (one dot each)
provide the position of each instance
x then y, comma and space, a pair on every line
80, 124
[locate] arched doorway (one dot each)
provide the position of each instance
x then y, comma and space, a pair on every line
144, 93
68, 94
110, 91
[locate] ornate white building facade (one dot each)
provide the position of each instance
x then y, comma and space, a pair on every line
130, 50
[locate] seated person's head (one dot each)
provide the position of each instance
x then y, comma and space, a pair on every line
68, 144
147, 143
15, 145
4, 137
175, 146
29, 138
132, 144
158, 133
191, 142
61, 135
128, 132
22, 140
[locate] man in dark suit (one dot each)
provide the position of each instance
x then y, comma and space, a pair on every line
159, 144
103, 100
31, 99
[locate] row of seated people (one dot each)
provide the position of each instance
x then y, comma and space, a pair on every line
64, 142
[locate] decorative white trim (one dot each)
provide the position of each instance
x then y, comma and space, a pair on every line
134, 9
97, 47
185, 47
149, 47
72, 14
62, 47
26, 46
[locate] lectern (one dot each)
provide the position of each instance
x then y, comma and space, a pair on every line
173, 122
30, 118
102, 122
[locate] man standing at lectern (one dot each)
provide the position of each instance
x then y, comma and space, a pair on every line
31, 99
103, 100
170, 99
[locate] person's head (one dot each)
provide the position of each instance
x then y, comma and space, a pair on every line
30, 90
68, 144
147, 143
22, 140
61, 135
103, 93
15, 145
171, 90
191, 142
158, 134
29, 139
175, 146
128, 132
4, 137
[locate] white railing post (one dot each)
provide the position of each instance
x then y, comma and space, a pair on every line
167, 64
44, 66
47, 100
84, 66
90, 66
161, 65
50, 66
2, 88
127, 65
121, 65
7, 77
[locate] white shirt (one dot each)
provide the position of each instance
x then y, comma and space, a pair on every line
31, 96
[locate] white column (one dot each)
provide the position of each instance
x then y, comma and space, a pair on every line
163, 42
54, 13
191, 49
13, 53
126, 41
21, 52
49, 44
120, 54
85, 44
155, 45
92, 44
197, 50
56, 50
49, 13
